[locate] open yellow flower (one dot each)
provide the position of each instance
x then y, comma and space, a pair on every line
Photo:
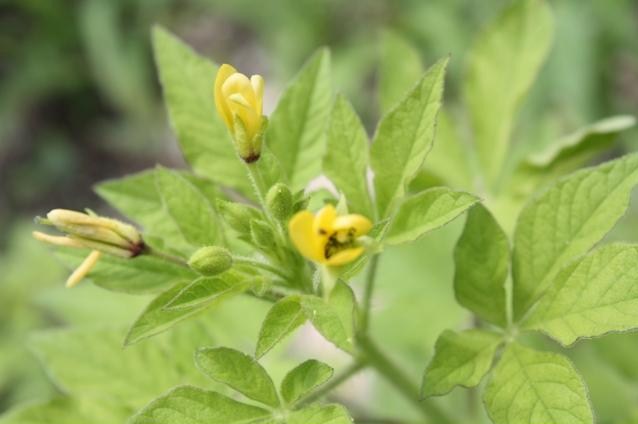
239, 101
327, 238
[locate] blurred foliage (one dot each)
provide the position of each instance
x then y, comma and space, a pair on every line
79, 102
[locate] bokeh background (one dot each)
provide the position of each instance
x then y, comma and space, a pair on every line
80, 102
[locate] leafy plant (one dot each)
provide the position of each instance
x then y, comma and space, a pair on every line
238, 225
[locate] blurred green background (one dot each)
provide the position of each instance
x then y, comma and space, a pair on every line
80, 102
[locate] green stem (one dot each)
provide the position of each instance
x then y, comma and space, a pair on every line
367, 294
333, 383
262, 265
395, 376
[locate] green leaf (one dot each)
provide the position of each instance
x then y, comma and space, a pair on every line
481, 263
530, 387
283, 318
187, 81
326, 414
427, 211
92, 364
304, 379
400, 68
566, 221
580, 145
156, 318
404, 137
239, 371
136, 196
295, 131
502, 66
328, 320
346, 159
191, 405
188, 207
597, 294
140, 275
460, 359
205, 290
67, 411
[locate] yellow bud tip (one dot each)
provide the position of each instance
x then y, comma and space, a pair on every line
82, 271
56, 240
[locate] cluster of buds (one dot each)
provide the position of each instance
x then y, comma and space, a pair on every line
239, 102
89, 231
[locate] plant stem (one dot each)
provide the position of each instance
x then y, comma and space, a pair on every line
333, 383
367, 294
165, 256
262, 265
388, 370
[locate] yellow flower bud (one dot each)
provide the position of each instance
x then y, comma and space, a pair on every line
101, 235
239, 102
327, 238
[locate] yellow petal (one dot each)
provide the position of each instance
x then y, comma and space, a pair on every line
56, 240
223, 73
257, 81
239, 84
85, 267
359, 223
345, 256
303, 237
323, 225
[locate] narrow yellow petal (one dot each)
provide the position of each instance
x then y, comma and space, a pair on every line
345, 256
257, 81
324, 221
56, 240
359, 223
85, 267
223, 73
303, 237
239, 84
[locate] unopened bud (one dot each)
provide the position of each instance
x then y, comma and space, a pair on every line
262, 235
104, 234
279, 201
211, 260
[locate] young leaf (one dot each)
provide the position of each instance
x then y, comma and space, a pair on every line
205, 290
239, 371
325, 414
459, 359
481, 263
566, 221
187, 81
156, 318
399, 69
282, 319
188, 207
404, 137
140, 275
427, 211
597, 294
295, 131
328, 319
186, 404
303, 379
530, 387
501, 68
346, 159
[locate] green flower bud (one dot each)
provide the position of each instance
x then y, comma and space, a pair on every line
211, 260
279, 201
262, 235
238, 216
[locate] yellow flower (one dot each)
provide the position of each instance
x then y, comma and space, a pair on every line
239, 101
327, 238
101, 235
